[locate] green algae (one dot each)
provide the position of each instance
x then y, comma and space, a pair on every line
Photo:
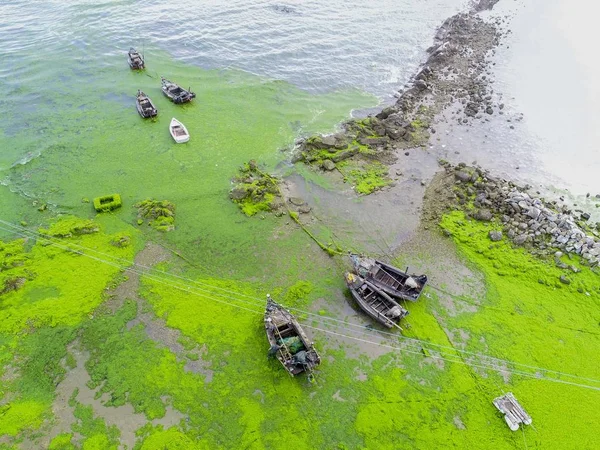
157, 438
236, 116
62, 442
40, 319
530, 318
61, 267
96, 434
366, 178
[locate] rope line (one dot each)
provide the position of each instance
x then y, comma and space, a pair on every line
488, 361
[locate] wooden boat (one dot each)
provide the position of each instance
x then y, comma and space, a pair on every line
375, 302
390, 279
288, 341
176, 93
145, 106
135, 60
178, 131
514, 414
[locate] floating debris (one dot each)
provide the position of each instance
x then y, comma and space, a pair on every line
514, 414
107, 203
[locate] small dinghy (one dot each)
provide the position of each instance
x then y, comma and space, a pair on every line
514, 414
176, 93
288, 341
135, 60
145, 106
178, 131
375, 302
391, 280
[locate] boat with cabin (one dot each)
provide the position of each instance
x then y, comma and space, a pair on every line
175, 92
375, 302
393, 281
289, 343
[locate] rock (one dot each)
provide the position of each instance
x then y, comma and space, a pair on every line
585, 216
484, 215
395, 133
520, 239
304, 209
238, 194
495, 236
328, 142
328, 164
564, 280
489, 110
373, 142
386, 112
297, 201
462, 176
420, 85
533, 212
345, 154
471, 109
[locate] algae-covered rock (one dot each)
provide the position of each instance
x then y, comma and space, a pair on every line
107, 203
159, 213
255, 190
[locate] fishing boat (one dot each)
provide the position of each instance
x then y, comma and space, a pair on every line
176, 93
391, 280
514, 414
145, 106
178, 131
376, 303
135, 60
289, 343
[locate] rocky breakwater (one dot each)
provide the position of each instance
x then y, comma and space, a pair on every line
546, 227
454, 73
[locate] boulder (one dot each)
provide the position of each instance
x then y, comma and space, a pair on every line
297, 201
484, 215
328, 164
520, 239
462, 176
237, 194
373, 142
495, 236
386, 112
345, 154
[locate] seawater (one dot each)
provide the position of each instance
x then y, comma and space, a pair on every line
264, 72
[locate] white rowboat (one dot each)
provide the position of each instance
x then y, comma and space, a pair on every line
178, 131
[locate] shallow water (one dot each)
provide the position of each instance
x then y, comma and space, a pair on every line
546, 70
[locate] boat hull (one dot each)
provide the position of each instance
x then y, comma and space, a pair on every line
145, 107
135, 60
176, 93
178, 131
376, 303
